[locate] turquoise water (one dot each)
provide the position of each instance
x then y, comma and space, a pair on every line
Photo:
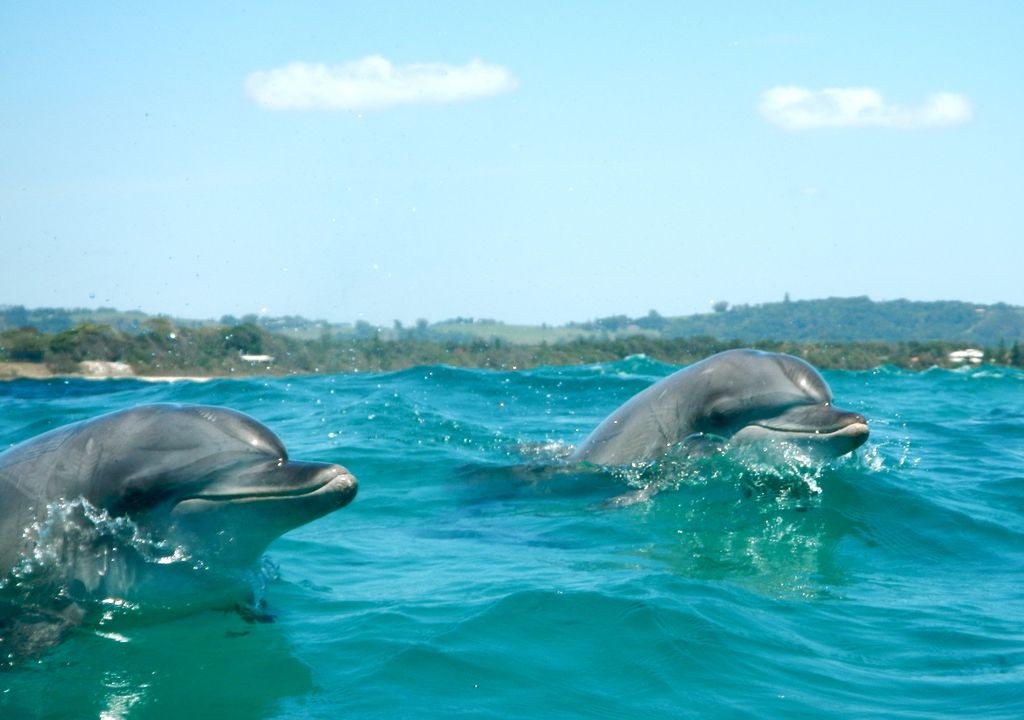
472, 577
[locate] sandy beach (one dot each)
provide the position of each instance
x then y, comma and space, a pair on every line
89, 370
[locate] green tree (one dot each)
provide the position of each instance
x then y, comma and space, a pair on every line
86, 342
246, 338
24, 344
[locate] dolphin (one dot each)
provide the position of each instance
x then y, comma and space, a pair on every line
742, 397
203, 483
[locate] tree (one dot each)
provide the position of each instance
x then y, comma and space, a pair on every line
89, 341
159, 326
651, 321
15, 316
365, 330
23, 345
247, 338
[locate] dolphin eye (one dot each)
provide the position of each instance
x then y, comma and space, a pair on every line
718, 418
133, 499
142, 497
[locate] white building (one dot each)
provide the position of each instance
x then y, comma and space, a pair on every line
257, 358
967, 355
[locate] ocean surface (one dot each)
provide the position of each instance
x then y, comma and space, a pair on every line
475, 576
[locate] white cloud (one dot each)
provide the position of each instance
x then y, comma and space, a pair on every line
797, 108
373, 83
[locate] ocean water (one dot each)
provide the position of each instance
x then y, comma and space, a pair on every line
476, 577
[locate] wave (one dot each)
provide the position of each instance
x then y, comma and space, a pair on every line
478, 574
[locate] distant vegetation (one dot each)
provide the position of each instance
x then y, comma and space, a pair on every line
853, 333
857, 319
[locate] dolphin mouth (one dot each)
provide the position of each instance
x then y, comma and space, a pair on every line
834, 431
856, 432
823, 419
849, 428
333, 482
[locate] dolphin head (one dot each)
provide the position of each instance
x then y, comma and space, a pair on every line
761, 398
211, 479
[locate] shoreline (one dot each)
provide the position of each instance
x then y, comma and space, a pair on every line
98, 371
95, 371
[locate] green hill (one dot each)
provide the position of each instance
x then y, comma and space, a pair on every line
856, 319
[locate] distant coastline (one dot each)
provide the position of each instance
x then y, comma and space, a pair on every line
837, 333
390, 356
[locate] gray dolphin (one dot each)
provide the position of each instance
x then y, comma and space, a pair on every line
208, 482
740, 396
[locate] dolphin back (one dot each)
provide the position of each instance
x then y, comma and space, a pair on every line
647, 425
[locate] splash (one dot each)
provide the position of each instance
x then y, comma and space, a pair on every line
549, 451
783, 470
82, 548
84, 567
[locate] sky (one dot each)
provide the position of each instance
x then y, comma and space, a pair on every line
530, 162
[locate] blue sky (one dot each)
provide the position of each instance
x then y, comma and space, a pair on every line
530, 162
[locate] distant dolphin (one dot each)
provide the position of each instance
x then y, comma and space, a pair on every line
208, 482
740, 396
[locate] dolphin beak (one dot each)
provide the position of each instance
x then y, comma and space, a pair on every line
328, 486
338, 483
834, 431
815, 419
854, 431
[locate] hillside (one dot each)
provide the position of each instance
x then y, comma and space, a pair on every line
857, 319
